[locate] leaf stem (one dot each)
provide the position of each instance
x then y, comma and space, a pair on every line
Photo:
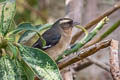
104, 35
83, 29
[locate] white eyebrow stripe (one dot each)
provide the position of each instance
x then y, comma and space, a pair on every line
47, 46
64, 21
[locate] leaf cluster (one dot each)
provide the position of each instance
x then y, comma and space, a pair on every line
17, 61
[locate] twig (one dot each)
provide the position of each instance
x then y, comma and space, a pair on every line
74, 68
104, 35
96, 20
99, 64
85, 39
114, 61
67, 75
80, 65
83, 54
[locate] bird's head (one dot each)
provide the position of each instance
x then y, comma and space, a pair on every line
66, 23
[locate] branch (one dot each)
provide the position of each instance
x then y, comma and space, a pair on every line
104, 35
85, 39
82, 54
114, 61
80, 65
67, 75
96, 20
99, 64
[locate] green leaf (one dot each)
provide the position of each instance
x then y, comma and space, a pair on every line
28, 71
26, 36
7, 12
13, 49
19, 71
24, 26
42, 65
28, 27
11, 69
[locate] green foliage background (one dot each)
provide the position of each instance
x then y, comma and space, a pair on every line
39, 11
25, 15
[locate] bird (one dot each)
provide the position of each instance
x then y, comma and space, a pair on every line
57, 37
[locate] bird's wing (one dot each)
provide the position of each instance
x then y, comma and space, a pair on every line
51, 37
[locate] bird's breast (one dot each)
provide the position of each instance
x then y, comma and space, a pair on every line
56, 50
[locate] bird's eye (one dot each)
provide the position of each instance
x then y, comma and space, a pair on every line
65, 26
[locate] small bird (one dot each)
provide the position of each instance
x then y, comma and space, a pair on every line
57, 37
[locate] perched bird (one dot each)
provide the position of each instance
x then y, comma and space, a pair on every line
57, 37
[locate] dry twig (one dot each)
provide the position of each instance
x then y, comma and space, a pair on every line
67, 75
80, 65
99, 64
82, 54
114, 61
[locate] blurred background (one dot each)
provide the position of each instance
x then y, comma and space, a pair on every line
39, 11
47, 11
